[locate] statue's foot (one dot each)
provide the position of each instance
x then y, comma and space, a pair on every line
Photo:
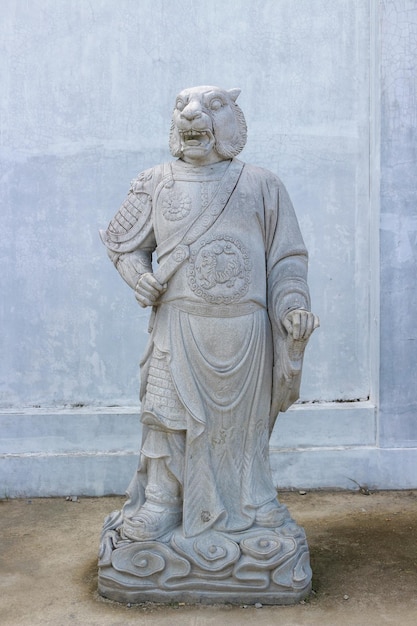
272, 514
152, 521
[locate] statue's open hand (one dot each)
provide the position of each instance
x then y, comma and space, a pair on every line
148, 290
299, 324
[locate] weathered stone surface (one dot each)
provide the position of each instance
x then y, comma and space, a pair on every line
270, 564
228, 330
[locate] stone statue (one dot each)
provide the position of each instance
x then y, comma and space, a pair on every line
230, 321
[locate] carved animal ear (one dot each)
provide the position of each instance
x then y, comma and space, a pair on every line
233, 93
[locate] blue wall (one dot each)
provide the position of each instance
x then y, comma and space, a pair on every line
329, 93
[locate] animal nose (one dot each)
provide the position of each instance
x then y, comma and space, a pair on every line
191, 112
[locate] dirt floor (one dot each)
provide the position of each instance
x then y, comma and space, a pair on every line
363, 554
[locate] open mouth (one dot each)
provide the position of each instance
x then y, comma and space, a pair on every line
196, 137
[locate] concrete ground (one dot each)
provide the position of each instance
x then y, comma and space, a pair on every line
363, 554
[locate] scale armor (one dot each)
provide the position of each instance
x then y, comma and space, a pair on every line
132, 222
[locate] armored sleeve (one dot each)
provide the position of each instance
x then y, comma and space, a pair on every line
129, 237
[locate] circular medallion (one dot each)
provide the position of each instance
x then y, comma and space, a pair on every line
219, 270
175, 206
180, 253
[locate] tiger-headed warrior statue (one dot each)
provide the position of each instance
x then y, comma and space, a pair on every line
230, 320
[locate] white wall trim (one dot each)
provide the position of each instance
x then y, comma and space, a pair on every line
95, 451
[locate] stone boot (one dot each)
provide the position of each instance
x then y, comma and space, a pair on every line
162, 509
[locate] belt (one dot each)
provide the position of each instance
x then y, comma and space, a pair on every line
235, 309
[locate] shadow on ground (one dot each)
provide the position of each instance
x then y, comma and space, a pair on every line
363, 554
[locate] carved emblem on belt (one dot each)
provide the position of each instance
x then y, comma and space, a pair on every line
219, 271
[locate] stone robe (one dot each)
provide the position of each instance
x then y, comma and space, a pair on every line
216, 370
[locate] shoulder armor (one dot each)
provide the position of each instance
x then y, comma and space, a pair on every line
132, 222
130, 218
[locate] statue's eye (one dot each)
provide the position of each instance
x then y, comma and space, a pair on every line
180, 105
216, 104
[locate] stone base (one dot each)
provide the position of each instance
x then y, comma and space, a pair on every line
265, 565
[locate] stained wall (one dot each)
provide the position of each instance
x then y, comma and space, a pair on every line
329, 93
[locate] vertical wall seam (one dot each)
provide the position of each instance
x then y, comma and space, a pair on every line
374, 201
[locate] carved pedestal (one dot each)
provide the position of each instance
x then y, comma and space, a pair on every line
264, 565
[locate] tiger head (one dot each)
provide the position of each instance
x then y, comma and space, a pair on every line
207, 125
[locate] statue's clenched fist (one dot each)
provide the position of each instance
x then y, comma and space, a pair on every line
148, 290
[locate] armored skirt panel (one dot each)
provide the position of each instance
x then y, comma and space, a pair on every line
213, 367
